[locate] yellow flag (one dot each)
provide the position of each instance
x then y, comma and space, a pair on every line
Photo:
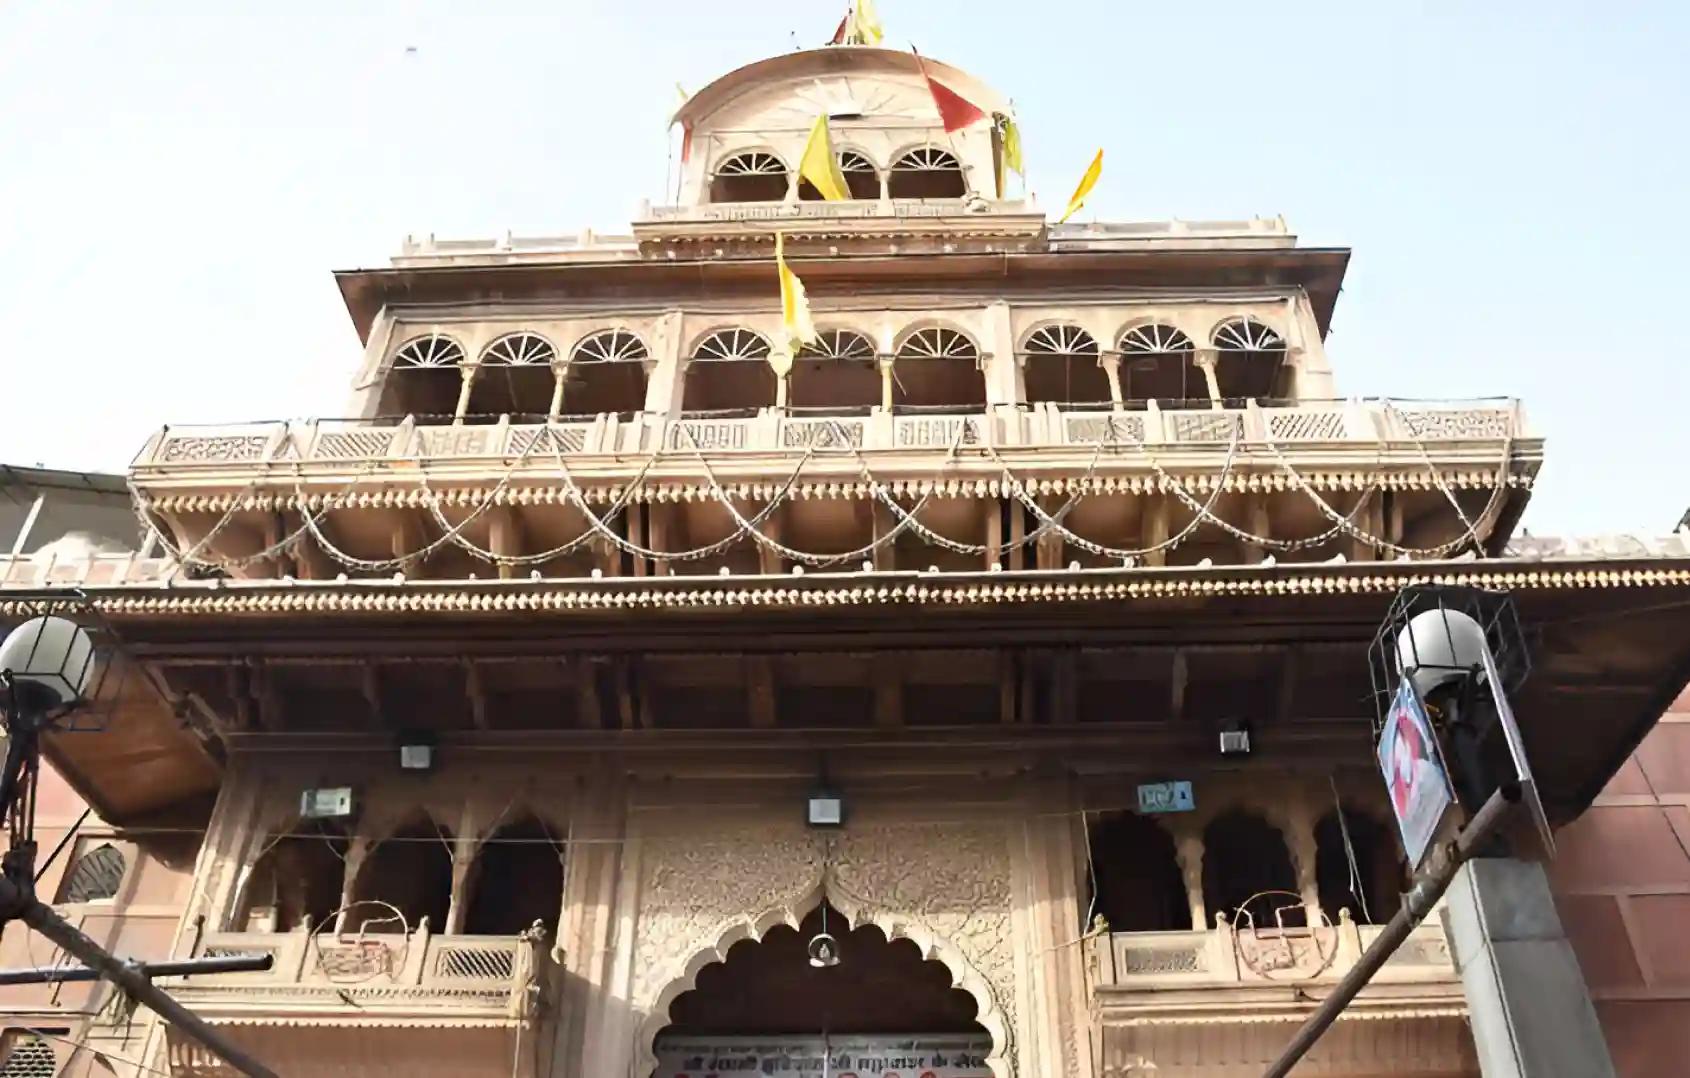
865, 24
1012, 147
794, 304
820, 167
1087, 182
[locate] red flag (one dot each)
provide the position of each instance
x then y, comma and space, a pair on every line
839, 34
956, 111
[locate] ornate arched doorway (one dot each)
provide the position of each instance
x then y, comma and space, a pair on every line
885, 1007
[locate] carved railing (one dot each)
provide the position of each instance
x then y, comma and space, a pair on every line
354, 444
849, 209
484, 976
1225, 956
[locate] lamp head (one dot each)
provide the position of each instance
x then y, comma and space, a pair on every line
1439, 646
51, 660
823, 950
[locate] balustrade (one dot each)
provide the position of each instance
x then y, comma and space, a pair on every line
355, 443
487, 976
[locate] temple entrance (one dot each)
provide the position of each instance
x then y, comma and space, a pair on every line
879, 1009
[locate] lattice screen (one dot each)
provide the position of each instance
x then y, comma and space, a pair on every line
28, 1056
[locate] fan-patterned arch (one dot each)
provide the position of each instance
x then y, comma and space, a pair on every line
752, 163
732, 345
1247, 334
927, 159
938, 342
1156, 338
1061, 340
433, 350
926, 172
839, 344
520, 350
852, 161
610, 346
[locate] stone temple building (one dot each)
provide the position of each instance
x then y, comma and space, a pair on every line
609, 700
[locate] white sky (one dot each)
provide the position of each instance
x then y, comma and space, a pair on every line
178, 179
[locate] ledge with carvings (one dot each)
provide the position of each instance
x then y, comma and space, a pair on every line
417, 980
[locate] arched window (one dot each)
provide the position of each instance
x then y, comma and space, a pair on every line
1249, 359
753, 176
938, 369
1158, 363
1246, 863
606, 373
836, 374
298, 881
1061, 366
517, 880
862, 179
927, 172
96, 876
514, 378
1139, 885
1357, 868
729, 373
425, 378
411, 870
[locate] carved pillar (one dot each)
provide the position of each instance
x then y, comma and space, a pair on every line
1297, 820
1188, 846
998, 343
1206, 362
665, 386
1057, 995
596, 1032
559, 372
468, 371
885, 364
1112, 367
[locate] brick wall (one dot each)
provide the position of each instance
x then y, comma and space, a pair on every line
1622, 881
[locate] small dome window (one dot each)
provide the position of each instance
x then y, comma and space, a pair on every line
927, 172
96, 876
753, 176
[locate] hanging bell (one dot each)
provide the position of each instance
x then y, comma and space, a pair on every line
824, 951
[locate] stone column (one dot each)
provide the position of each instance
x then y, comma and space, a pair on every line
998, 340
1188, 846
665, 387
468, 371
1059, 1022
1206, 362
1112, 367
1530, 1011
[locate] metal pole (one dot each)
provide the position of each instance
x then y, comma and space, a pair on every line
1428, 887
180, 968
41, 917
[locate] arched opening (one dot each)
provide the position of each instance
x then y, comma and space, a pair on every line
1245, 858
927, 172
297, 881
606, 375
424, 379
938, 369
517, 881
1357, 868
837, 375
1139, 886
1158, 363
514, 378
1061, 366
1249, 360
753, 176
862, 179
411, 870
729, 375
768, 988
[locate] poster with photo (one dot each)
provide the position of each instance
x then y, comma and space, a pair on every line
1414, 773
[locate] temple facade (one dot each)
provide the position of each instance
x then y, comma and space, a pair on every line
977, 690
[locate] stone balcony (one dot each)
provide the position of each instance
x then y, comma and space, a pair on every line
1222, 1003
1312, 424
373, 979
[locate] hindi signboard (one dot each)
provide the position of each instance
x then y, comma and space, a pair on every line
1413, 769
895, 1056
1166, 797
